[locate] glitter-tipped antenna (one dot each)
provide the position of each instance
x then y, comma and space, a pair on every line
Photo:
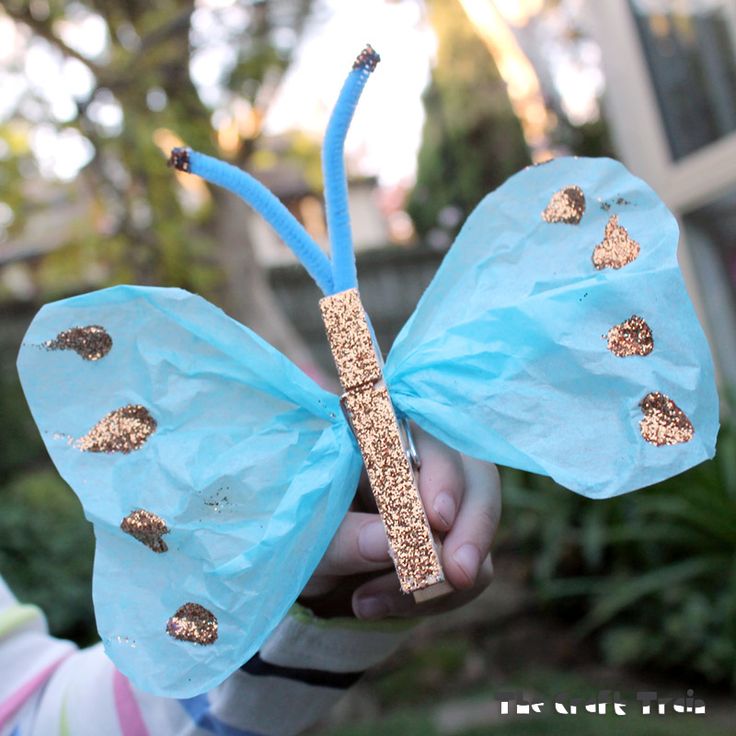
333, 167
265, 203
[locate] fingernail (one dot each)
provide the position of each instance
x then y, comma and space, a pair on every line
371, 607
444, 507
372, 542
468, 559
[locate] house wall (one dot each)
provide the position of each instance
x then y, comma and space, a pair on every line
692, 185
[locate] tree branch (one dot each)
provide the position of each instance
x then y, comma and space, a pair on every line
44, 30
177, 25
131, 71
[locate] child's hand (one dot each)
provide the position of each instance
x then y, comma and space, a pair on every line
462, 497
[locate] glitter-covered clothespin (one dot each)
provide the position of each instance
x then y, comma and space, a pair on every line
383, 445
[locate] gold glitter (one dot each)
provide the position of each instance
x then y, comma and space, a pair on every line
367, 59
620, 201
146, 527
631, 337
664, 423
194, 623
374, 423
91, 342
179, 159
394, 488
350, 339
123, 430
567, 205
617, 248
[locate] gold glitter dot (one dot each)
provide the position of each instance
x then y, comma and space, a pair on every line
617, 248
664, 423
631, 337
123, 430
374, 424
194, 623
147, 528
567, 205
91, 342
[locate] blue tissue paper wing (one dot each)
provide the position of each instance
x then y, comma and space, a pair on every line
505, 357
252, 467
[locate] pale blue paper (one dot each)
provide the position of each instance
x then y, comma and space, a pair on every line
505, 357
252, 466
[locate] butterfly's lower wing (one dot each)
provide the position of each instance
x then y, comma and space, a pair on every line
214, 471
507, 355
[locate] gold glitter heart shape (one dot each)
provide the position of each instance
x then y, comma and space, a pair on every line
194, 623
631, 337
91, 342
617, 248
664, 423
146, 527
567, 205
123, 430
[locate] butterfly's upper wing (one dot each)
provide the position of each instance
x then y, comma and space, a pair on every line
506, 359
250, 466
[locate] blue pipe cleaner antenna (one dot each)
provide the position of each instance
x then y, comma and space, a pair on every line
344, 274
265, 203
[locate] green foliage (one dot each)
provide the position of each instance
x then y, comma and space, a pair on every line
132, 224
20, 443
472, 142
404, 723
46, 551
419, 723
481, 714
589, 139
653, 573
429, 669
588, 724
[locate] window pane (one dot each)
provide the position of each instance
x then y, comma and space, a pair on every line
689, 48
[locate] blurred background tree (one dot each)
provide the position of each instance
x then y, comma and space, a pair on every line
472, 141
136, 98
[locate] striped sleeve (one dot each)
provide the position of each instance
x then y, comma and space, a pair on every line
29, 657
302, 671
48, 687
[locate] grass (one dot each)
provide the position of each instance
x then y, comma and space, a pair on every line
422, 703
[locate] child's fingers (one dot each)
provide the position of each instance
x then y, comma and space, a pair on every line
382, 597
469, 540
359, 546
441, 481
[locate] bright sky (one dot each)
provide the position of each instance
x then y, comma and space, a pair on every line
386, 130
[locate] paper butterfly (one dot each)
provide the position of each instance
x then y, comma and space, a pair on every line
557, 337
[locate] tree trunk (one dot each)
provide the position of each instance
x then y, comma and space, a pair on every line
248, 296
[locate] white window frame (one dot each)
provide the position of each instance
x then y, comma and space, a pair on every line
632, 109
